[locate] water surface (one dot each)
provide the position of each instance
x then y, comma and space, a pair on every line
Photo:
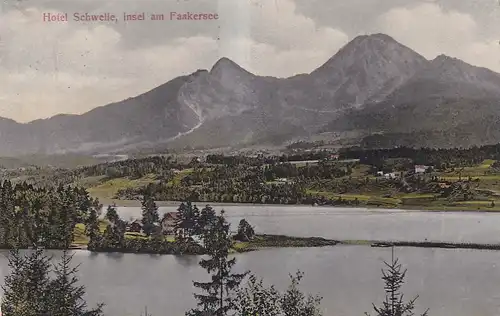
449, 281
351, 223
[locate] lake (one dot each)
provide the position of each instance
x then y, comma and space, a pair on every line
359, 223
449, 281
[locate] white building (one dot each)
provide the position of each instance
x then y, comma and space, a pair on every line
421, 168
392, 175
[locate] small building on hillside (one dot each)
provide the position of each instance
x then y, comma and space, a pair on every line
334, 157
135, 226
421, 168
168, 223
380, 173
392, 175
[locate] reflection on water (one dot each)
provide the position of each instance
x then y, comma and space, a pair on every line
187, 260
449, 281
348, 277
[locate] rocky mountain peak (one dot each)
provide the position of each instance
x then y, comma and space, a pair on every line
226, 65
444, 67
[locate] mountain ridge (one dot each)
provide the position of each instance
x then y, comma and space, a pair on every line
373, 84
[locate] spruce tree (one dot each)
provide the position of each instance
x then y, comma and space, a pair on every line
179, 222
26, 288
206, 219
67, 221
150, 215
218, 299
112, 214
14, 300
187, 219
66, 296
114, 235
92, 229
394, 305
7, 214
245, 231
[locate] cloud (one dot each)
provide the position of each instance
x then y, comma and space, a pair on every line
51, 68
431, 30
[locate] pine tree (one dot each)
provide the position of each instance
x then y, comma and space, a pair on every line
14, 298
206, 219
394, 304
37, 280
179, 222
150, 215
66, 297
187, 219
92, 229
218, 299
114, 234
112, 214
7, 214
26, 288
245, 231
67, 220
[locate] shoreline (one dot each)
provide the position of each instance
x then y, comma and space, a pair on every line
269, 241
408, 208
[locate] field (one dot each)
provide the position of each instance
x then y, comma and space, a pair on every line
81, 239
106, 189
485, 179
79, 233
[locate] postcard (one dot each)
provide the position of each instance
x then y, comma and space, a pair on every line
250, 157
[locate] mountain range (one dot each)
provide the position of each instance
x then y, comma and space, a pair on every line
374, 91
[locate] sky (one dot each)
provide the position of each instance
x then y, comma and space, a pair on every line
48, 68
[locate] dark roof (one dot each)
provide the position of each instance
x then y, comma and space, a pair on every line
137, 221
170, 214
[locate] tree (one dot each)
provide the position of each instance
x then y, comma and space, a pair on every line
187, 219
206, 220
294, 302
66, 297
112, 214
92, 229
150, 215
114, 234
14, 298
218, 300
394, 305
245, 231
26, 288
256, 300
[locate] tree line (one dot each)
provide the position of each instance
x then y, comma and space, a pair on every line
441, 158
45, 215
243, 184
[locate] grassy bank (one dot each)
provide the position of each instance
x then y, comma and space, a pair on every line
281, 241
